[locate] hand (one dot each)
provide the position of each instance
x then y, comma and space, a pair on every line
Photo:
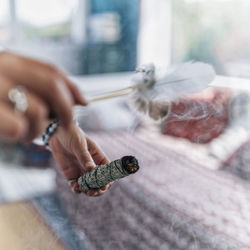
48, 91
77, 154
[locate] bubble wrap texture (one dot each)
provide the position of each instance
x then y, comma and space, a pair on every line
172, 203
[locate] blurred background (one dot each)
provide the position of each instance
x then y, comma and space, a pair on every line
83, 37
99, 43
220, 34
90, 36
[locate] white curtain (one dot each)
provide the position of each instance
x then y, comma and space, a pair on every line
154, 40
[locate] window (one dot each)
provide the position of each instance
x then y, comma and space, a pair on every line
40, 21
80, 36
46, 20
113, 29
214, 31
5, 34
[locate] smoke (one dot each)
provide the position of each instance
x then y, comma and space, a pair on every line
187, 109
184, 109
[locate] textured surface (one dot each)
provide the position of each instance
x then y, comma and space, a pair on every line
239, 163
200, 117
171, 203
53, 214
103, 175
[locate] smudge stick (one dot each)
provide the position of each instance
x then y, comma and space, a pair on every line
104, 174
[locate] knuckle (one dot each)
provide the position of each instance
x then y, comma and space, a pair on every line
53, 76
53, 85
52, 69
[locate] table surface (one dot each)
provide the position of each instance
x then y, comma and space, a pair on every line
38, 224
22, 228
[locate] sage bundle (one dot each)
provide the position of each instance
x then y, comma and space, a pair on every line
104, 174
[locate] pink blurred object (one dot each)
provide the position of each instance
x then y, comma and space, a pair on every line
199, 117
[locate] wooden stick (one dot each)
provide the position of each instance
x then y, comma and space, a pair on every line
113, 94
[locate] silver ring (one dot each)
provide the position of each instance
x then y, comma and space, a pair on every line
18, 97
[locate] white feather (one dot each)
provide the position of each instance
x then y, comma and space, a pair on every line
188, 78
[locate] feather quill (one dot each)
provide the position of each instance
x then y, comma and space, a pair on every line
188, 78
155, 94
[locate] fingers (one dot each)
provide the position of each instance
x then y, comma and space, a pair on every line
96, 153
73, 152
99, 158
36, 112
95, 192
68, 164
78, 97
82, 153
13, 126
62, 144
61, 102
44, 80
66, 161
101, 191
90, 155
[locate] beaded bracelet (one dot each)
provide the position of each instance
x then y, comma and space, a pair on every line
50, 130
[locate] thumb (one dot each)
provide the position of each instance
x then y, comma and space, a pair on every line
83, 156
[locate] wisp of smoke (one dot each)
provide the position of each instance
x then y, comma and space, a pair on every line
155, 93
